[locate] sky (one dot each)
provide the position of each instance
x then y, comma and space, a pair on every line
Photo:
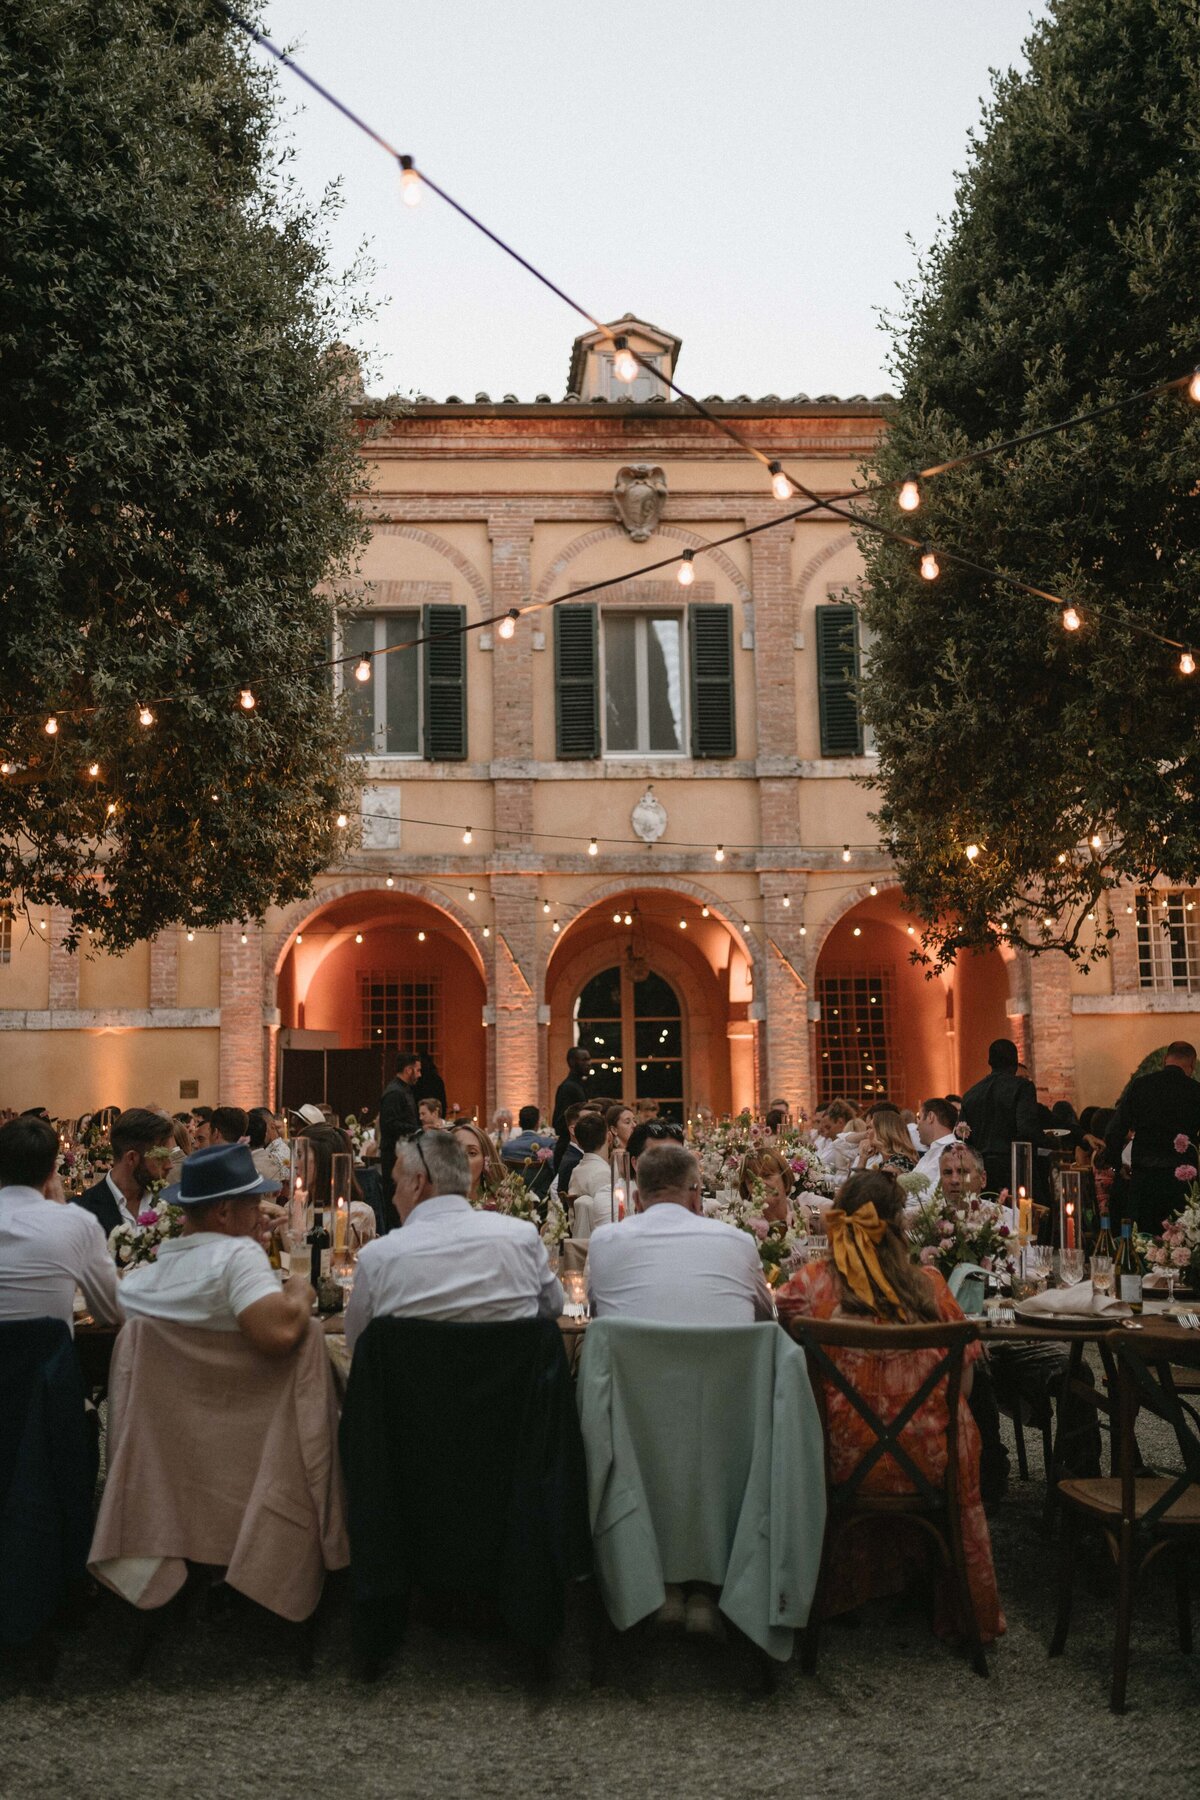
756, 178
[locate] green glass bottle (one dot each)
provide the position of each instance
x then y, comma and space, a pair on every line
1128, 1269
1104, 1245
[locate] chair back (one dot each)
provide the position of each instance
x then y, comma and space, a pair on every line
968, 1284
821, 1336
1147, 1363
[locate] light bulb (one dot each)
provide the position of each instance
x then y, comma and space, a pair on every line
191, 937
299, 937
781, 487
745, 931
420, 937
629, 918
470, 893
1194, 387
41, 925
487, 931
931, 568
145, 716
410, 182
909, 497
616, 918
912, 931
390, 882
93, 769
804, 931
683, 924
719, 853
508, 624
873, 889
6, 768
556, 927
858, 931
624, 362
1071, 620
972, 852
51, 726
358, 937
468, 834
1187, 663
247, 700
362, 669
787, 899
342, 821
685, 574
845, 853
111, 808
545, 906
245, 939
593, 848
1095, 840
704, 912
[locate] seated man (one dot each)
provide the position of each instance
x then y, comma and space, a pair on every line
525, 1144
142, 1142
935, 1133
450, 1261
429, 1114
591, 1189
47, 1249
216, 1274
669, 1264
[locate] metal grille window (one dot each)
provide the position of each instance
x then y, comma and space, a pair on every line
1168, 939
6, 924
856, 1052
644, 684
399, 1013
633, 1030
386, 708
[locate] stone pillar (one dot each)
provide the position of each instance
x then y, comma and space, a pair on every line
1051, 1036
774, 637
514, 1049
164, 970
512, 683
63, 995
242, 1067
788, 1071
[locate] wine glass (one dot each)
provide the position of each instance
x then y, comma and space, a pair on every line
1102, 1275
1172, 1275
1070, 1267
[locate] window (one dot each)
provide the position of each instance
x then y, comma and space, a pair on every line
6, 924
837, 680
633, 1030
644, 684
1168, 939
856, 1054
644, 386
397, 1012
413, 703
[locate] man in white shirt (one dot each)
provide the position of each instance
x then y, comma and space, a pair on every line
935, 1129
215, 1275
591, 1189
670, 1264
450, 1261
47, 1249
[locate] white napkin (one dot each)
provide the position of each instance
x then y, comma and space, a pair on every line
1077, 1299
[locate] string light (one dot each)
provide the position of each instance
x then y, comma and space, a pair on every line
845, 853
683, 924
41, 924
1070, 619
421, 937
873, 889
858, 931
191, 937
93, 769
247, 700
804, 931
487, 931
781, 486
624, 362
912, 931
362, 668
1095, 840
410, 182
719, 853
358, 937
546, 907
111, 808
6, 768
342, 820
1193, 387
1187, 663
704, 912
299, 937
616, 918
909, 497
629, 918
470, 893
245, 939
556, 928
390, 882
931, 568
51, 726
593, 848
686, 574
508, 624
468, 834
745, 931
145, 716
972, 852
787, 899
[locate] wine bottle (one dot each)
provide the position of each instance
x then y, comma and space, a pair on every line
1128, 1269
1104, 1245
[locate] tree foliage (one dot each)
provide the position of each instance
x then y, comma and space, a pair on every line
1067, 276
176, 470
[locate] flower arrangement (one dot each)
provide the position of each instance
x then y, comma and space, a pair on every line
970, 1230
511, 1197
157, 1221
724, 1148
1179, 1246
778, 1242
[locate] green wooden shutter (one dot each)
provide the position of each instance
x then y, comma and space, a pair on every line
714, 729
837, 681
576, 682
445, 683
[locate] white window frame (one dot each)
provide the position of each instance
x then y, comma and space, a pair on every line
612, 389
346, 683
1160, 931
642, 615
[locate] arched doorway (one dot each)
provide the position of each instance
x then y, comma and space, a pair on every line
632, 1024
369, 973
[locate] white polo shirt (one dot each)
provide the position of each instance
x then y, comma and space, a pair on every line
203, 1279
673, 1267
46, 1251
930, 1164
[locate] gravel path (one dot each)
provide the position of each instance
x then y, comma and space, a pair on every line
891, 1711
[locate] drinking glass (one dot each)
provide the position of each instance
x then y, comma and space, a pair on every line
1172, 1275
1070, 1267
1039, 1263
575, 1296
1102, 1275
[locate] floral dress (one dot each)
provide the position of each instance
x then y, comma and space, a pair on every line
883, 1562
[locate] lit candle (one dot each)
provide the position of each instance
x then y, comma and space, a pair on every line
1024, 1215
340, 1217
1069, 1233
619, 1198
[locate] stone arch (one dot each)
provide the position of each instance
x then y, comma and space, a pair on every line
669, 884
819, 558
604, 533
448, 551
277, 943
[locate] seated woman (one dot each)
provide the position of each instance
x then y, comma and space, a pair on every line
483, 1160
886, 1144
769, 1167
869, 1274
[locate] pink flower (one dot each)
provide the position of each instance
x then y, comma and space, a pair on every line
545, 1152
760, 1227
947, 1229
929, 1254
147, 1218
1181, 1256
1186, 1172
985, 1262
1182, 1143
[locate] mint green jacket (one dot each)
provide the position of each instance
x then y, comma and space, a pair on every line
705, 1463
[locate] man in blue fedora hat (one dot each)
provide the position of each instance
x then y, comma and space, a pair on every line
215, 1274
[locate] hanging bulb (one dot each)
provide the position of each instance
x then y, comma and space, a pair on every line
616, 918
191, 937
51, 726
787, 899
909, 497
470, 893
93, 769
420, 937
873, 889
1095, 840
781, 487
556, 927
858, 931
745, 931
245, 939
487, 931
629, 918
358, 937
624, 362
685, 575
719, 853
912, 931
972, 852
1187, 663
410, 182
6, 768
545, 906
931, 568
468, 834
247, 700
683, 924
1071, 620
145, 716
804, 931
342, 821
593, 848
704, 912
508, 624
1194, 387
845, 853
362, 668
299, 937
390, 882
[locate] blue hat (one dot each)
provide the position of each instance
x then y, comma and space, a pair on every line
219, 1172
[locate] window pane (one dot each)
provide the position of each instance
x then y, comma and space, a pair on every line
655, 998
664, 684
620, 681
402, 669
658, 1037
601, 998
358, 636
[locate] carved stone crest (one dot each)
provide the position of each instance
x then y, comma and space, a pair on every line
649, 817
639, 494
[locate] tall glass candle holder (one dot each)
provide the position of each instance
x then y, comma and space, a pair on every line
1070, 1209
301, 1206
621, 1184
341, 1192
1022, 1190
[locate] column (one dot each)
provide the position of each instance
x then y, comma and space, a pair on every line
512, 681
1051, 1036
164, 970
63, 993
242, 1070
514, 1051
788, 1072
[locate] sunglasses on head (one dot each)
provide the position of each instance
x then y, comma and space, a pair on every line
416, 1143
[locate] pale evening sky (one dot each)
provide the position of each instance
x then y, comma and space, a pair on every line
745, 177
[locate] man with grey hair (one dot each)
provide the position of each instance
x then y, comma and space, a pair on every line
449, 1261
669, 1264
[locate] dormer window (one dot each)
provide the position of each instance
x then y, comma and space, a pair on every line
591, 375
644, 386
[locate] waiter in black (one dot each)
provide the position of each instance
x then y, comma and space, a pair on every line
569, 1093
397, 1119
1158, 1108
1001, 1110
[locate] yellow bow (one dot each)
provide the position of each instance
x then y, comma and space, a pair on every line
852, 1240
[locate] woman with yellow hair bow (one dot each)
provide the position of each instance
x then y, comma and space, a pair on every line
869, 1274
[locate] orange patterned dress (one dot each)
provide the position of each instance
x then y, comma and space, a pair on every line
878, 1563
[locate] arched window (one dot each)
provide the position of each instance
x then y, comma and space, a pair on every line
633, 1030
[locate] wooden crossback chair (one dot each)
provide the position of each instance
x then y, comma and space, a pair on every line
1140, 1516
933, 1506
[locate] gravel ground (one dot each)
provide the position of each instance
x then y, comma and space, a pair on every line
222, 1714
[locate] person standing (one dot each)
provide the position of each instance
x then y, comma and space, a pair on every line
397, 1118
571, 1092
430, 1085
1001, 1110
1158, 1108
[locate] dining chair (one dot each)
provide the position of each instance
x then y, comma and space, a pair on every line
933, 1506
1141, 1516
